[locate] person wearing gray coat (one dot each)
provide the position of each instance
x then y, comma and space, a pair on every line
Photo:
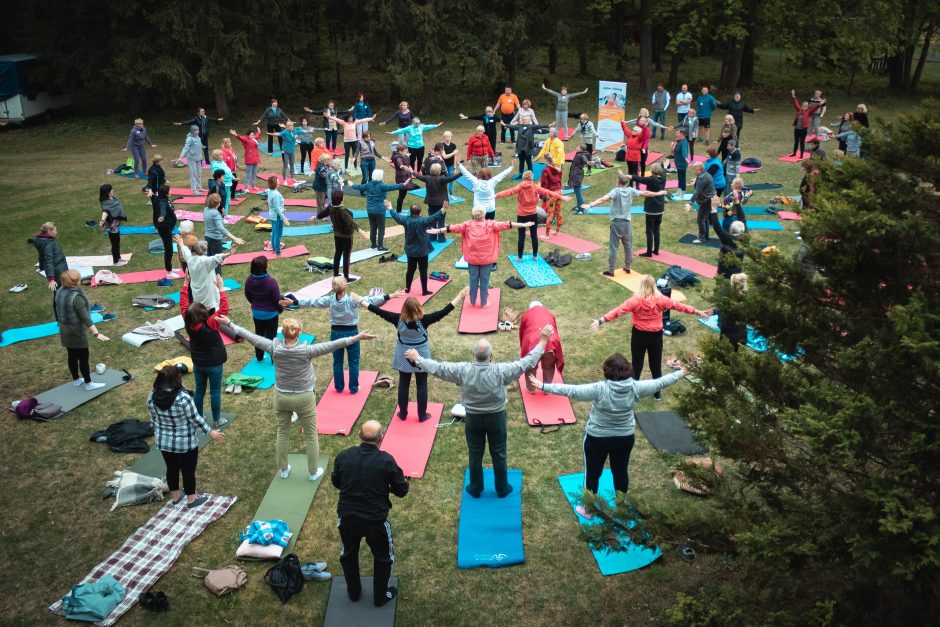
192, 152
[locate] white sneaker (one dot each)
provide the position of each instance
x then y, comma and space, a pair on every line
285, 473
121, 262
174, 275
315, 476
78, 382
90, 387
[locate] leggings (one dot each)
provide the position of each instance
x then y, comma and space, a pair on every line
166, 236
265, 328
214, 247
377, 230
524, 159
306, 151
78, 360
251, 174
287, 165
643, 156
435, 210
181, 464
401, 197
205, 147
115, 239
417, 158
680, 174
533, 232
653, 223
596, 452
633, 169
350, 148
421, 264
799, 140
404, 385
140, 157
274, 128
231, 191
330, 140
343, 249
643, 343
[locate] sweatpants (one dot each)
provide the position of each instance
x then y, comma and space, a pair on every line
378, 535
181, 464
265, 328
140, 161
214, 247
525, 160
277, 232
304, 405
597, 451
404, 387
287, 164
533, 233
195, 175
78, 361
480, 429
621, 233
420, 264
643, 343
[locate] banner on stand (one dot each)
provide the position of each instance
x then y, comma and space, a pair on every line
611, 108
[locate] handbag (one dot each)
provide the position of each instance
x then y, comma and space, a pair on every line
223, 581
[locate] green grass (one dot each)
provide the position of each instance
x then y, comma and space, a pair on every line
56, 526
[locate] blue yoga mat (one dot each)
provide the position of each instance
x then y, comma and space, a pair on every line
536, 173
142, 229
610, 562
755, 341
567, 190
535, 272
226, 245
764, 225
421, 192
230, 284
438, 248
265, 368
12, 336
312, 229
490, 528
362, 214
464, 182
756, 211
604, 210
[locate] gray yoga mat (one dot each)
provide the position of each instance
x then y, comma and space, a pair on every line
341, 612
668, 432
151, 464
711, 242
69, 397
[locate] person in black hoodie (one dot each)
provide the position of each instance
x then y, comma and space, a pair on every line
365, 476
175, 423
156, 176
653, 207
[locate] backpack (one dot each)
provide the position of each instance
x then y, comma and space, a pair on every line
681, 277
751, 162
558, 260
673, 327
223, 580
24, 408
621, 155
515, 283
285, 577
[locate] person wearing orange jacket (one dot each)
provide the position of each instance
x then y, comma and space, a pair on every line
507, 104
527, 199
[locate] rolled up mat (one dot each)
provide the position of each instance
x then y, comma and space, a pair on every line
476, 319
290, 499
536, 172
764, 225
317, 289
490, 529
68, 397
144, 276
793, 159
438, 248
666, 431
569, 190
395, 304
293, 251
310, 229
572, 243
631, 281
535, 272
337, 412
36, 331
410, 441
151, 463
341, 612
265, 367
293, 216
789, 215
629, 556
546, 410
201, 200
604, 210
689, 239
671, 259
763, 186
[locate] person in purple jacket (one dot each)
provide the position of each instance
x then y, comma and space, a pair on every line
135, 142
264, 294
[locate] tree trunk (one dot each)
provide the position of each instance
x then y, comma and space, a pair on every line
747, 63
673, 81
552, 57
646, 47
221, 97
924, 51
733, 67
658, 50
896, 71
582, 57
617, 27
908, 62
336, 53
852, 78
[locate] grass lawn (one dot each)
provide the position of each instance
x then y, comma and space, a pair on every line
57, 526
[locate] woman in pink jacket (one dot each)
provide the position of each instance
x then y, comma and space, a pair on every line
528, 193
647, 306
249, 142
480, 244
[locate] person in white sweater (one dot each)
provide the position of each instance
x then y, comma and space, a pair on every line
484, 187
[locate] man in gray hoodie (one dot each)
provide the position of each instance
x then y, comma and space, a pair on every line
483, 392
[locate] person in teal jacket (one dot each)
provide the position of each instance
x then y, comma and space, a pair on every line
375, 191
361, 110
414, 138
705, 105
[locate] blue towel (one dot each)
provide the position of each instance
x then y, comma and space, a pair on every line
610, 562
535, 272
604, 210
536, 173
312, 229
567, 190
265, 369
755, 341
490, 528
438, 248
764, 225
12, 336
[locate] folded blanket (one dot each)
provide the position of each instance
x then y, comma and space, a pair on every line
159, 329
244, 380
129, 488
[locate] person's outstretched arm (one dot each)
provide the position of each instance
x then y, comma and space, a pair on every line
388, 316
322, 348
648, 387
583, 392
257, 341
439, 315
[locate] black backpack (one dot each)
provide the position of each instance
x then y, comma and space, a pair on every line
680, 277
285, 577
621, 155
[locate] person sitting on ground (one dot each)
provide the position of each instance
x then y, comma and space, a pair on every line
536, 318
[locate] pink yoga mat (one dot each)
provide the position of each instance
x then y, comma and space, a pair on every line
570, 242
652, 157
337, 412
300, 202
476, 319
746, 168
141, 277
794, 159
293, 251
318, 289
543, 409
410, 441
196, 216
185, 191
671, 259
201, 200
670, 184
434, 287
789, 215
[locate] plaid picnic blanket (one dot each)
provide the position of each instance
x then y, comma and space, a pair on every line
150, 552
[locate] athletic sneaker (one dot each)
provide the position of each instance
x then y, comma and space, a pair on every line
315, 476
582, 512
285, 473
658, 396
121, 262
199, 501
221, 422
78, 382
315, 571
164, 282
607, 273
389, 595
174, 275
91, 387
382, 249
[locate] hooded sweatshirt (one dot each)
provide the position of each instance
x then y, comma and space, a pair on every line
527, 193
175, 420
51, 258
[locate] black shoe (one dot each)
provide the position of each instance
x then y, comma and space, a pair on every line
506, 493
353, 596
427, 416
426, 293
657, 396
646, 254
475, 495
154, 601
607, 273
389, 595
401, 415
383, 249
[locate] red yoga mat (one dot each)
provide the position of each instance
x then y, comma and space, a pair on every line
793, 159
395, 304
300, 202
141, 277
337, 412
670, 184
570, 242
789, 215
201, 200
544, 410
671, 259
293, 251
652, 157
476, 319
410, 441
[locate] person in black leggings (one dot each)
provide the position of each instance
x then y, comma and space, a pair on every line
164, 220
653, 207
401, 161
344, 228
112, 214
417, 244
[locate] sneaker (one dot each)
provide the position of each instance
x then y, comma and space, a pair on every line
696, 241
506, 493
607, 273
580, 511
646, 254
199, 501
382, 249
311, 573
164, 283
96, 308
389, 595
237, 390
316, 476
121, 262
401, 415
285, 473
16, 289
221, 422
658, 396
229, 388
78, 382
90, 387
180, 499
425, 418
294, 418
174, 275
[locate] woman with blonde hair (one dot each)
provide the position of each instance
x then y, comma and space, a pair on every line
294, 384
412, 324
136, 141
403, 115
647, 306
74, 315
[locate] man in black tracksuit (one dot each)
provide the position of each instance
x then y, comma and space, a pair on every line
365, 476
202, 121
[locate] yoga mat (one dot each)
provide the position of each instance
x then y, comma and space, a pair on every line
300, 202
545, 410
536, 173
290, 499
363, 254
69, 397
465, 183
461, 264
311, 229
137, 340
226, 245
228, 284
634, 556
490, 529
794, 159
265, 367
93, 260
689, 239
36, 331
293, 251
652, 157
789, 215
395, 304
535, 272
755, 211
747, 169
763, 186
632, 282
438, 247
666, 431
670, 184
764, 225
341, 612
198, 216
755, 341
293, 216
604, 210
144, 276
319, 288
201, 200
476, 319
572, 243
337, 412
568, 190
671, 259
141, 230
410, 441
151, 463
420, 192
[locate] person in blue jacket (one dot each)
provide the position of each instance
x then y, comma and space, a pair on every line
704, 106
414, 138
361, 110
376, 205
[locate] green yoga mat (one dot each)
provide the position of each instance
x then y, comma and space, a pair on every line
289, 499
151, 464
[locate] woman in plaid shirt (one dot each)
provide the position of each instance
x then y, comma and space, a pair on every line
175, 423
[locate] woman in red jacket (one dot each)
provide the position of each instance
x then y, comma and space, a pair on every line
634, 139
479, 150
527, 201
249, 142
647, 306
801, 122
551, 180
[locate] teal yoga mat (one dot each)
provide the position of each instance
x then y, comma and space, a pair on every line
568, 190
438, 248
465, 183
362, 214
312, 229
764, 225
22, 334
634, 556
265, 368
756, 211
229, 283
535, 272
604, 210
420, 192
755, 341
490, 528
536, 173
143, 229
